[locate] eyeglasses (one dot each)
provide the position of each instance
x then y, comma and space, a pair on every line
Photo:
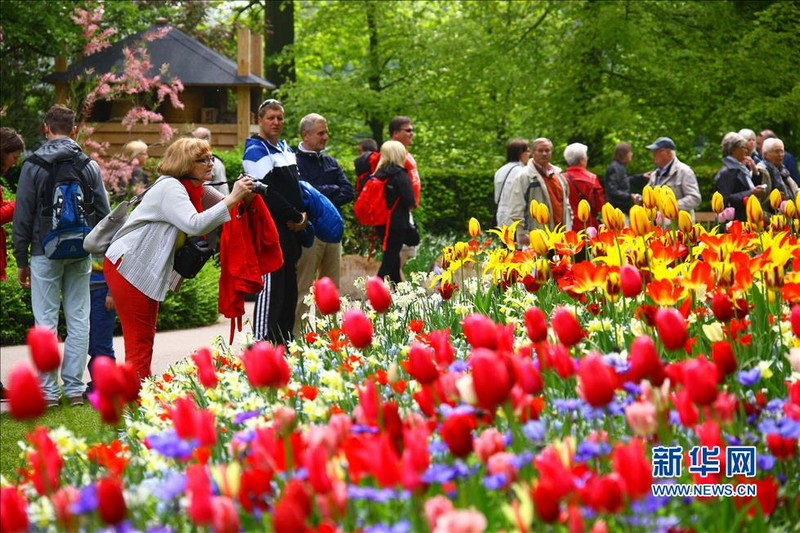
408, 130
270, 101
204, 160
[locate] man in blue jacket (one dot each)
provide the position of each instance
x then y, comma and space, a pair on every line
326, 175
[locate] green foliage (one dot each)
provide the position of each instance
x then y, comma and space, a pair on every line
232, 161
451, 197
194, 305
16, 316
83, 421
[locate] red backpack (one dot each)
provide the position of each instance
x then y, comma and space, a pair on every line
370, 206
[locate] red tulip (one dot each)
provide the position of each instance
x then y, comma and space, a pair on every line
597, 379
378, 294
110, 501
722, 307
205, 428
457, 433
724, 359
43, 345
13, 514
327, 296
645, 362
795, 320
198, 488
183, 416
421, 365
630, 280
106, 376
266, 366
766, 496
131, 384
317, 465
687, 410
480, 331
440, 342
490, 378
631, 462
25, 397
700, 380
528, 376
45, 462
546, 501
671, 328
370, 402
206, 372
536, 324
567, 328
605, 493
358, 328
290, 512
226, 517
780, 447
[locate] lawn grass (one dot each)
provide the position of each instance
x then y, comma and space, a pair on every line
82, 421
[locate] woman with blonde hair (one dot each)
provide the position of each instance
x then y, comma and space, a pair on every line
135, 154
399, 196
139, 262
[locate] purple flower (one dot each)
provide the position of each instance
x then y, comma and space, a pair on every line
765, 462
247, 415
632, 388
169, 444
245, 436
87, 500
357, 429
458, 366
589, 450
371, 494
617, 361
535, 431
494, 481
403, 526
462, 409
748, 378
172, 486
568, 404
775, 405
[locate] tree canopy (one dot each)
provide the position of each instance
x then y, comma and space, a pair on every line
473, 74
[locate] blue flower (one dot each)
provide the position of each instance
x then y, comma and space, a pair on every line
589, 450
87, 500
775, 405
765, 462
632, 388
247, 415
458, 366
357, 429
535, 431
748, 378
169, 444
403, 526
172, 486
494, 481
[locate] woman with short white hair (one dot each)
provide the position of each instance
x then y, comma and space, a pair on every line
734, 181
583, 185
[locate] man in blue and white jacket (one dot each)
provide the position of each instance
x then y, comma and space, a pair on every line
271, 160
325, 174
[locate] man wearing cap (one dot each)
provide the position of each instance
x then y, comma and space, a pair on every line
672, 173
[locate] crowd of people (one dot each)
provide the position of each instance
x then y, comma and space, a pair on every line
189, 203
751, 165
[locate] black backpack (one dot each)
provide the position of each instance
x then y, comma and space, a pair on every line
67, 200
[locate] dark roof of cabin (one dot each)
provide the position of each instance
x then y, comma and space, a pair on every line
189, 60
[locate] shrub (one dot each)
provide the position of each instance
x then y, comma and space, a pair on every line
194, 305
16, 316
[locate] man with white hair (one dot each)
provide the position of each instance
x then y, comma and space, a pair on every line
673, 173
772, 165
546, 185
583, 185
752, 154
219, 178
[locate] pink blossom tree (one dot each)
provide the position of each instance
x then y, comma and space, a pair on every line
147, 93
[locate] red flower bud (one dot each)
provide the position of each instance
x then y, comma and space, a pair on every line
378, 294
43, 345
490, 378
597, 379
106, 376
700, 380
781, 447
326, 295
13, 510
265, 366
528, 376
358, 328
480, 331
722, 307
795, 319
631, 462
536, 324
205, 368
110, 501
724, 359
644, 360
421, 366
567, 328
630, 280
671, 328
131, 384
25, 397
457, 433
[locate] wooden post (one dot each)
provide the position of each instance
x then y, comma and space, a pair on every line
243, 92
62, 88
256, 56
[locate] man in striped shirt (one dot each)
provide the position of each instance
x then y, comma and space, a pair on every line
270, 160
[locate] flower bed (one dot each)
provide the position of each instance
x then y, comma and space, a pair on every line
548, 390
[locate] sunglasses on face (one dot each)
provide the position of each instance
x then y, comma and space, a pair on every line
270, 101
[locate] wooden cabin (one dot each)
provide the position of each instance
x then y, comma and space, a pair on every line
219, 94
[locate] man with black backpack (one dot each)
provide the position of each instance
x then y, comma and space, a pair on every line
59, 199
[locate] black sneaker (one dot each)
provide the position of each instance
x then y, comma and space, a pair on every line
2, 393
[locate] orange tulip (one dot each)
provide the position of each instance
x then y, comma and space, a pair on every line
717, 202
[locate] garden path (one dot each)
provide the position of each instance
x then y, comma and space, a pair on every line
170, 346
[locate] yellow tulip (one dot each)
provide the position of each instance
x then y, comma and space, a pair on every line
717, 202
542, 214
533, 207
538, 242
640, 220
584, 210
474, 227
790, 209
755, 215
649, 197
612, 217
667, 203
775, 199
685, 222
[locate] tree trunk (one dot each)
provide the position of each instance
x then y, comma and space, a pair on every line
374, 75
278, 34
